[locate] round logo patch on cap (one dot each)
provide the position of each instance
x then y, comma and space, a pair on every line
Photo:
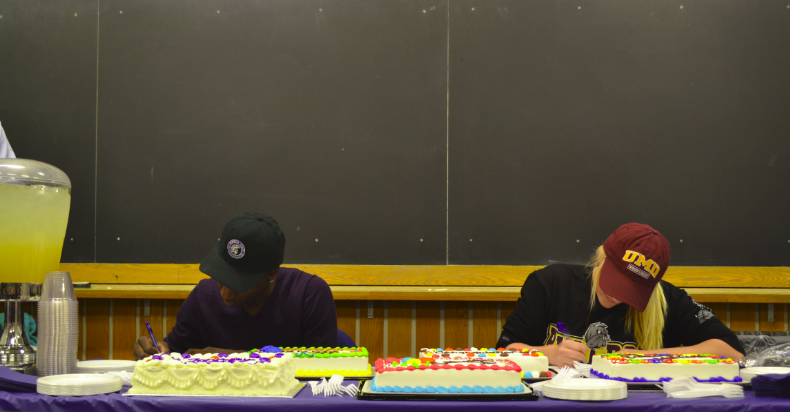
236, 249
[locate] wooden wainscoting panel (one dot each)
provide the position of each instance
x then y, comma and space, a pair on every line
427, 325
779, 318
154, 318
456, 324
173, 305
347, 316
399, 328
123, 325
98, 329
743, 317
371, 331
507, 309
485, 333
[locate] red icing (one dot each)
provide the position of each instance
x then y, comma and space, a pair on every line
446, 366
379, 363
400, 368
473, 367
459, 367
392, 360
496, 367
435, 366
379, 370
485, 367
389, 369
467, 349
410, 367
509, 368
548, 373
424, 367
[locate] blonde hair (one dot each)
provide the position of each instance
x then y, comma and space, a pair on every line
647, 326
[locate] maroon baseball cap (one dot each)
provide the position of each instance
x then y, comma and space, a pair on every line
637, 256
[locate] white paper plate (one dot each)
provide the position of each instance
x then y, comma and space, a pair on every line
748, 373
103, 366
78, 384
585, 389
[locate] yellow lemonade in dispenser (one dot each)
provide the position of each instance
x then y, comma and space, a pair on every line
32, 229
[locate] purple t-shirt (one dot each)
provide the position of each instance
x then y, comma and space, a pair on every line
300, 312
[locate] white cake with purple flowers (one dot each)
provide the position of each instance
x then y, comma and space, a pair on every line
237, 374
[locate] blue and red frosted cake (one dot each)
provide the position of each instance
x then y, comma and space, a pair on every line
443, 375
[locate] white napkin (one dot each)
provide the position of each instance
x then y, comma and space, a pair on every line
126, 377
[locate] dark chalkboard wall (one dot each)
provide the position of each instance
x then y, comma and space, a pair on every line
408, 132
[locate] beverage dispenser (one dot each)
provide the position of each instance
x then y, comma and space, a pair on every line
34, 210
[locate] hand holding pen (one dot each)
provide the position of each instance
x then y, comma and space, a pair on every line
148, 345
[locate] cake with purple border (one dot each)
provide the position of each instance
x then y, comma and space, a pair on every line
639, 367
429, 375
236, 374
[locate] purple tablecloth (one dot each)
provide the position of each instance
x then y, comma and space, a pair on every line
305, 401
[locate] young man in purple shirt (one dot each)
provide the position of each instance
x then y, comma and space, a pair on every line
251, 301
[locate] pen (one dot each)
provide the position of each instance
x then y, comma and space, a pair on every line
153, 339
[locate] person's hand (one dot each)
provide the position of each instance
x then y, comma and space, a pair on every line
144, 347
565, 353
210, 349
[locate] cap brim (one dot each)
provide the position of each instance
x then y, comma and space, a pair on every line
623, 288
237, 280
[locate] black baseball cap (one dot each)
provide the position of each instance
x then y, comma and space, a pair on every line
251, 245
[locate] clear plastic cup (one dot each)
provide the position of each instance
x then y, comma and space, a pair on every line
58, 285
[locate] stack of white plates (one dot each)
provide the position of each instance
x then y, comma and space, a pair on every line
78, 384
585, 389
748, 373
104, 366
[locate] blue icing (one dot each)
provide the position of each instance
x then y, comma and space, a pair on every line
481, 355
466, 389
387, 389
478, 389
442, 389
528, 375
500, 389
373, 385
430, 389
454, 389
419, 389
489, 389
714, 379
404, 360
271, 349
397, 389
408, 389
440, 350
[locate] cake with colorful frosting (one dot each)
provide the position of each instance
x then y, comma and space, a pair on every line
237, 374
532, 363
330, 361
442, 375
637, 367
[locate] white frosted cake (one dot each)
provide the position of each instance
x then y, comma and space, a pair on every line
409, 375
330, 361
637, 367
533, 364
237, 374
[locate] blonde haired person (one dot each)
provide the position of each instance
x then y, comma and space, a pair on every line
613, 304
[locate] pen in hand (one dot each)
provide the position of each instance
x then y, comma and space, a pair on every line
153, 339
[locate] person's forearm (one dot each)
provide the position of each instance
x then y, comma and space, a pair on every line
712, 346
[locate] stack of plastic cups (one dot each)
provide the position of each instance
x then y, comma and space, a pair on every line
57, 326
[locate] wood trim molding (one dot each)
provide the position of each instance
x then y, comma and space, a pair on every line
423, 275
449, 293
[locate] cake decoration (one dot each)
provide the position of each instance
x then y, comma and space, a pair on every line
443, 375
639, 367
